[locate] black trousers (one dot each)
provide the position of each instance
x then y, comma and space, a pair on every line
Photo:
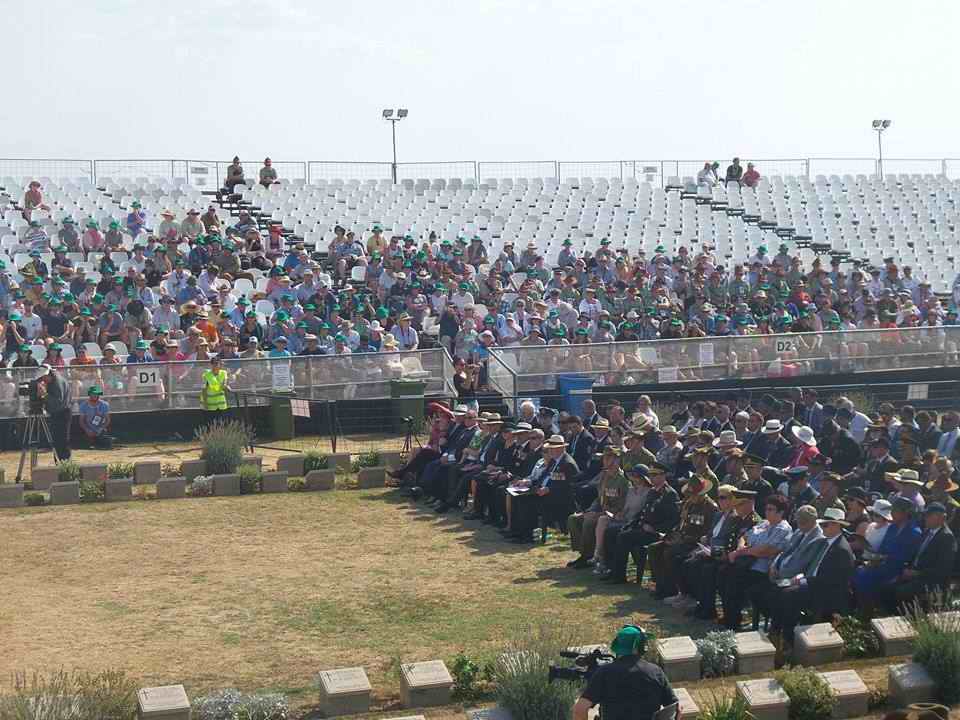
417, 464
736, 582
621, 542
59, 423
699, 578
584, 494
786, 605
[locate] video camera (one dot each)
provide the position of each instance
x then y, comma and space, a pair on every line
584, 665
32, 390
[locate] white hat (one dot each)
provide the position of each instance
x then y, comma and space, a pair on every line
881, 508
728, 438
375, 326
804, 434
771, 427
834, 515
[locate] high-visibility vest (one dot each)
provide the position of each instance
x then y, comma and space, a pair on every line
216, 396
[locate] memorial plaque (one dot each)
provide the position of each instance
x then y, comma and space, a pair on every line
193, 468
11, 495
909, 683
95, 472
852, 694
320, 480
679, 658
896, 635
168, 702
118, 489
171, 487
43, 477
291, 464
65, 493
274, 482
339, 461
494, 713
146, 473
345, 691
372, 477
754, 653
228, 484
425, 684
765, 698
818, 644
689, 710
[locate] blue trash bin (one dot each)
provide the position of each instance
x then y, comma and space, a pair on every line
574, 389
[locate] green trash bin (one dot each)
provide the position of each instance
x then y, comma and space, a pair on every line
281, 417
407, 397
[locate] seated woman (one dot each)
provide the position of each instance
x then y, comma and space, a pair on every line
440, 420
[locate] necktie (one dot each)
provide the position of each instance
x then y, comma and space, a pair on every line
821, 556
923, 546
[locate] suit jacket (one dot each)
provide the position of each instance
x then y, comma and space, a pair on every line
581, 448
874, 480
934, 565
461, 442
846, 452
813, 416
800, 555
830, 584
777, 453
929, 438
661, 509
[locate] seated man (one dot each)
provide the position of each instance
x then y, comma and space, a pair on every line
612, 488
452, 453
450, 488
489, 493
931, 568
874, 580
95, 419
546, 492
529, 455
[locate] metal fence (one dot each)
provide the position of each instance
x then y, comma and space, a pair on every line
211, 173
171, 386
720, 358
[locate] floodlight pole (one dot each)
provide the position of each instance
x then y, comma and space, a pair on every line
879, 151
393, 132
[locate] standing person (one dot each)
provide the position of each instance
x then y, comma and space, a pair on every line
58, 402
213, 395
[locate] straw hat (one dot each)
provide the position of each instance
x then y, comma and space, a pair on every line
727, 439
555, 441
771, 427
804, 434
390, 341
835, 516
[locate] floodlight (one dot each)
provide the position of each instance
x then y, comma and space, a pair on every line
402, 113
389, 113
876, 123
886, 124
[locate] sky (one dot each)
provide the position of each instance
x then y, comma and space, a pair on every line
483, 80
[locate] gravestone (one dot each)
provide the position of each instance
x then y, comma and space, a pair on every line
193, 468
169, 702
338, 461
408, 717
65, 493
909, 683
147, 472
390, 459
765, 699
817, 644
679, 658
228, 484
43, 477
754, 653
373, 477
170, 488
95, 472
896, 635
11, 495
274, 482
255, 460
291, 464
493, 713
853, 696
320, 480
689, 710
344, 692
118, 489
425, 684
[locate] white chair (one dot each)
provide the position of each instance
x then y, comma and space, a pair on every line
265, 307
119, 347
39, 352
93, 350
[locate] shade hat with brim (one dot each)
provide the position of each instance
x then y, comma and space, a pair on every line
835, 516
908, 476
727, 439
881, 508
555, 441
771, 427
705, 484
804, 434
601, 424
950, 488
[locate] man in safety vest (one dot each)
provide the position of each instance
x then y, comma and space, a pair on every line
213, 395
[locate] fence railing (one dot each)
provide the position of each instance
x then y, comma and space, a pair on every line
211, 173
719, 358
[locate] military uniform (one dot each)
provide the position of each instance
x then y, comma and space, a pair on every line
696, 518
700, 571
582, 526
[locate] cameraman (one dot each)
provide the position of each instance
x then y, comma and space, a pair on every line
57, 401
629, 688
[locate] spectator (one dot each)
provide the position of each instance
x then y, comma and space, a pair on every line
95, 419
751, 177
268, 174
734, 171
234, 176
33, 200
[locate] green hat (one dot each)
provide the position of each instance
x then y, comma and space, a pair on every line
243, 300
628, 641
281, 315
302, 324
95, 390
91, 223
142, 345
112, 307
86, 312
309, 306
162, 329
464, 286
559, 332
68, 221
339, 338
55, 346
568, 241
15, 316
97, 298
60, 249
24, 348
579, 331
383, 312
135, 203
114, 224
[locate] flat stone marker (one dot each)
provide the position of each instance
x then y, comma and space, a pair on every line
146, 472
169, 488
291, 464
118, 489
390, 459
494, 713
320, 480
228, 484
754, 653
853, 697
94, 472
765, 698
169, 702
909, 683
274, 482
425, 684
344, 692
896, 635
817, 644
373, 477
679, 658
408, 717
255, 460
11, 495
192, 468
689, 710
338, 461
43, 477
65, 493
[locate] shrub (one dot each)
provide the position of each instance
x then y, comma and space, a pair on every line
250, 479
233, 705
202, 486
109, 695
296, 484
313, 460
91, 490
170, 470
718, 652
467, 676
365, 460
520, 674
859, 640
811, 697
937, 645
119, 470
33, 499
725, 707
69, 471
222, 443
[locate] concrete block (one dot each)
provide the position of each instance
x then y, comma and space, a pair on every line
408, 717
853, 696
689, 710
169, 702
11, 495
226, 484
274, 482
65, 493
344, 692
765, 698
679, 658
493, 713
170, 488
390, 459
118, 489
95, 472
193, 468
292, 465
754, 653
374, 477
339, 461
255, 460
909, 683
43, 477
425, 684
896, 635
146, 473
320, 480
815, 645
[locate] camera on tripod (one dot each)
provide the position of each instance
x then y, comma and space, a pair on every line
407, 420
31, 390
584, 665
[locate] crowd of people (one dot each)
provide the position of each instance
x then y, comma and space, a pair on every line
792, 506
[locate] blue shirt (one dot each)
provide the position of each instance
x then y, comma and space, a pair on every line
766, 534
94, 417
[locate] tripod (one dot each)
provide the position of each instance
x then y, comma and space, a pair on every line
408, 441
30, 442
